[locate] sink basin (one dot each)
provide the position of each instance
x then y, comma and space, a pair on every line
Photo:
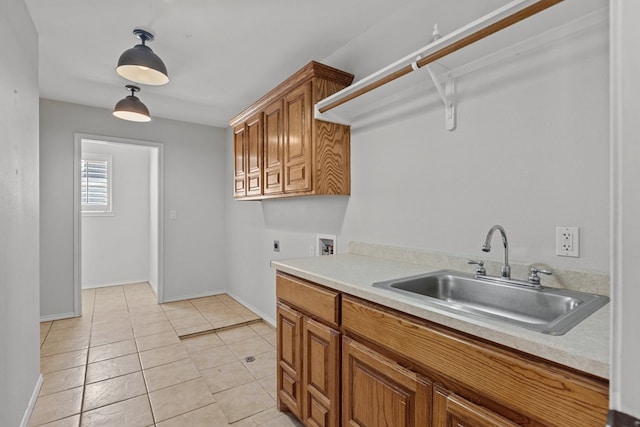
548, 310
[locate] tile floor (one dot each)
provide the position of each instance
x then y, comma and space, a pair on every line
130, 362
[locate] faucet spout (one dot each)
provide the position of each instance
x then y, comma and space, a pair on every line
486, 247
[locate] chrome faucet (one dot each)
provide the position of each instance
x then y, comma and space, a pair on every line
506, 269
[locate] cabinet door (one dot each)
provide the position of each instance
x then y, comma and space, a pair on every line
450, 410
253, 142
239, 146
289, 381
377, 392
273, 149
321, 375
298, 153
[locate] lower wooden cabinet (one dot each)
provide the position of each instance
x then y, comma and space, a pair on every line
308, 371
343, 361
377, 391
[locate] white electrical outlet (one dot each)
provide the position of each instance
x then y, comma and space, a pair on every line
568, 241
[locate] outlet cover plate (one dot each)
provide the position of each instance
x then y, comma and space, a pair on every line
568, 241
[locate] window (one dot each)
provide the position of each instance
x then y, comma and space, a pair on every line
95, 184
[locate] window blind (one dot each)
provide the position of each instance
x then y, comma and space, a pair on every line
95, 185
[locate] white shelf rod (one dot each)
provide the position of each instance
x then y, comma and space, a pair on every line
428, 53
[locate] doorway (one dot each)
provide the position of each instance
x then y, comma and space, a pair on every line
118, 213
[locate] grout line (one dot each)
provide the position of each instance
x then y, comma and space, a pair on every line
95, 304
46, 334
86, 362
144, 377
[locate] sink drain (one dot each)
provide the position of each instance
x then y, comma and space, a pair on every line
249, 359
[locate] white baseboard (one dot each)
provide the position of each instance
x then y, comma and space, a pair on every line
60, 316
263, 316
106, 285
194, 296
32, 402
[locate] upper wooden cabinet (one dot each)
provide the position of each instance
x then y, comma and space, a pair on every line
282, 151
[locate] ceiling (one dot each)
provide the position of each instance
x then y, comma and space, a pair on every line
221, 55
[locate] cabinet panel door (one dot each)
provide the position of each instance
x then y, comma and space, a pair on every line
298, 153
253, 141
450, 410
239, 180
289, 381
321, 377
273, 175
377, 392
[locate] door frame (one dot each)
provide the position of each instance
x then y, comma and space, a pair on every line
77, 213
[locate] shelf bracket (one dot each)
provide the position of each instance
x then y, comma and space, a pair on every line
446, 94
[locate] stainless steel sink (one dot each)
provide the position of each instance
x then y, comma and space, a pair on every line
547, 310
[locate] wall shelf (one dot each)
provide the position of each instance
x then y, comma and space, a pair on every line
413, 75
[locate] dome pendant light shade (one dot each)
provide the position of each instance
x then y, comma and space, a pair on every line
131, 108
139, 64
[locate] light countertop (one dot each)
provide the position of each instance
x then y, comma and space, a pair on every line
585, 347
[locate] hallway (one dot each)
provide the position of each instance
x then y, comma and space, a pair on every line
131, 362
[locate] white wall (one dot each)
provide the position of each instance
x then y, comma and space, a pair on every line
194, 180
530, 153
154, 213
19, 240
625, 371
116, 248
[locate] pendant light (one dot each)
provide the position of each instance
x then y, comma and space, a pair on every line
139, 64
131, 108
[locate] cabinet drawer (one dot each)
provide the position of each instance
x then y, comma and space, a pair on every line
316, 301
547, 393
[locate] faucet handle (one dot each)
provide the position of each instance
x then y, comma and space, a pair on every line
480, 270
534, 278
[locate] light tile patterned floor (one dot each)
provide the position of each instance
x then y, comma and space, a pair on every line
124, 364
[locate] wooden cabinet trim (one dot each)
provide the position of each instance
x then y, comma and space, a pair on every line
312, 70
537, 390
318, 302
